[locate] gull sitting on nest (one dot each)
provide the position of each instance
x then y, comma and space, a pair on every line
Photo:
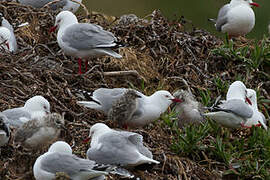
59, 159
38, 133
121, 148
189, 111
35, 107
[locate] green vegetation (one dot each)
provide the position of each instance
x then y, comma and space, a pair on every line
242, 153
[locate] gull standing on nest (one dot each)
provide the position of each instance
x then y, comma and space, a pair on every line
83, 40
38, 133
35, 107
144, 109
235, 110
236, 18
257, 118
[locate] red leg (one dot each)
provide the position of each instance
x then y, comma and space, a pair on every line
86, 63
125, 126
243, 125
80, 65
258, 125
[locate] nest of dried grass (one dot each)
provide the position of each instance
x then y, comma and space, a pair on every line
159, 50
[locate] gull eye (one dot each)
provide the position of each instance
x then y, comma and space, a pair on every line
59, 20
44, 107
167, 96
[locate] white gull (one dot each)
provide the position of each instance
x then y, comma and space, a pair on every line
34, 107
236, 18
257, 118
121, 148
146, 109
83, 40
59, 158
12, 43
235, 110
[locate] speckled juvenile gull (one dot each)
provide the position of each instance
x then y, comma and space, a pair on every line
13, 47
236, 18
234, 111
39, 132
257, 118
83, 40
4, 130
123, 109
121, 148
34, 107
147, 109
189, 111
59, 158
63, 4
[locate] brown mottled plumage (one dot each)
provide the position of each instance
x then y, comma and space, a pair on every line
189, 111
123, 109
39, 132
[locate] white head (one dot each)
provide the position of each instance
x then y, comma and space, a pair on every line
63, 19
252, 96
4, 38
246, 2
60, 146
99, 128
37, 103
164, 99
237, 90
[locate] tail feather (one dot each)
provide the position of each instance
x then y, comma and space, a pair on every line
212, 20
90, 104
264, 125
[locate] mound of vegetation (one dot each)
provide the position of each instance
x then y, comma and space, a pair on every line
159, 54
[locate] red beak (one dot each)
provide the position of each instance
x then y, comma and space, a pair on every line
176, 100
86, 140
52, 29
254, 4
248, 101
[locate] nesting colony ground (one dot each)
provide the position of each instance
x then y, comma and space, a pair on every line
162, 52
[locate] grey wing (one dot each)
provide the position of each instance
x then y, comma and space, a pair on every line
140, 109
64, 162
222, 17
15, 116
41, 3
137, 140
85, 36
107, 96
114, 149
59, 4
263, 117
6, 24
237, 107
